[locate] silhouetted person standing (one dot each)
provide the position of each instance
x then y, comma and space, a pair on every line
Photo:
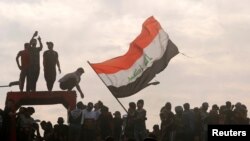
189, 122
61, 130
24, 66
75, 118
71, 80
8, 121
140, 132
117, 123
35, 61
50, 60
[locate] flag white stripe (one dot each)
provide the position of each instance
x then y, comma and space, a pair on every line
154, 51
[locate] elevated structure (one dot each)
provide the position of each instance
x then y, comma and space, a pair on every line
66, 98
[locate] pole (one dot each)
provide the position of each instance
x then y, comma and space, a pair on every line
11, 84
4, 86
109, 90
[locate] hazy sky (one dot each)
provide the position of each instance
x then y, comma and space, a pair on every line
215, 33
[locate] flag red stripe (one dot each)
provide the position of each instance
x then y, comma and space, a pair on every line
150, 29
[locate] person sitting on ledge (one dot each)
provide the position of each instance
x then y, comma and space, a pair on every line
71, 80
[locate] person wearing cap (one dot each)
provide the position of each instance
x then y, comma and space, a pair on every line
50, 61
71, 80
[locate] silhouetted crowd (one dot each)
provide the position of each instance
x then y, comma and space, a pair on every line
94, 122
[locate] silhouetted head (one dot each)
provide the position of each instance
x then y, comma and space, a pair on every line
222, 109
80, 70
90, 106
50, 45
168, 106
43, 125
186, 106
117, 114
104, 109
100, 103
178, 110
196, 110
132, 105
30, 110
33, 43
205, 106
238, 105
228, 104
26, 45
140, 103
156, 127
21, 110
26, 113
80, 105
244, 106
96, 106
35, 126
60, 120
215, 107
49, 126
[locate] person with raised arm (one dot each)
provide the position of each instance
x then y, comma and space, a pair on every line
34, 69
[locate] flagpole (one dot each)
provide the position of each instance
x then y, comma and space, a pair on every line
109, 90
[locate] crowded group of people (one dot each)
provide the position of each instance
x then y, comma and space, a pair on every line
94, 122
192, 124
28, 61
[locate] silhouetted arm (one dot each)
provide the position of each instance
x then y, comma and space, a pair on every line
68, 114
58, 64
17, 60
80, 91
38, 135
40, 42
34, 35
44, 61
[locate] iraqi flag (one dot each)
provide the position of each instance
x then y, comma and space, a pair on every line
148, 55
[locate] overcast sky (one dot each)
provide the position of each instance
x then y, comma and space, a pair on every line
214, 33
